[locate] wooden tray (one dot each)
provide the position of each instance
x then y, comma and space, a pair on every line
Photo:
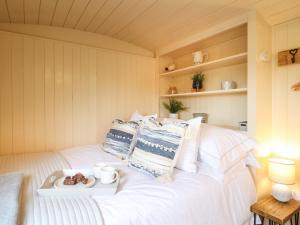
98, 189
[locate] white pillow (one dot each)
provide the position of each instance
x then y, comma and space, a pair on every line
223, 148
187, 159
136, 116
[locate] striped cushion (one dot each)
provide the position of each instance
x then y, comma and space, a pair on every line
157, 148
120, 138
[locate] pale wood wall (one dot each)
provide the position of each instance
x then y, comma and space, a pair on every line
55, 94
286, 102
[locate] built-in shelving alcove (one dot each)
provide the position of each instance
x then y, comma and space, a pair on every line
225, 59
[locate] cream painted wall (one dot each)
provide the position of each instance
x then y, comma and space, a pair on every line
286, 102
259, 100
57, 94
284, 139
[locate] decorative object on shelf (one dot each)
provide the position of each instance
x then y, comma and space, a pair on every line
287, 57
172, 90
198, 79
171, 67
243, 126
203, 115
199, 57
282, 173
174, 107
296, 87
228, 85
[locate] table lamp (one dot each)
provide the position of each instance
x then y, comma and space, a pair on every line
282, 173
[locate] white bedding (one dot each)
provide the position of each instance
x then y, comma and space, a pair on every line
36, 210
190, 199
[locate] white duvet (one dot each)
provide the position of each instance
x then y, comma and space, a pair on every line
190, 199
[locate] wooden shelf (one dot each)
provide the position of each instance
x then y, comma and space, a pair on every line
216, 92
227, 61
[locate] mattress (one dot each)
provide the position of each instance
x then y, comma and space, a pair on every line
35, 210
191, 199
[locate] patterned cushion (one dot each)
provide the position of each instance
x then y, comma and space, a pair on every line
157, 148
120, 138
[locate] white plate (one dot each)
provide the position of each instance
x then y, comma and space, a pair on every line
59, 183
113, 180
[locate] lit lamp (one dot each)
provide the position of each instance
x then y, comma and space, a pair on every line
282, 173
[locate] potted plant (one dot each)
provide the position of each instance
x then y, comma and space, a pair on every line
198, 79
174, 107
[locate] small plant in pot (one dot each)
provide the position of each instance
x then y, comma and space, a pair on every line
174, 107
198, 79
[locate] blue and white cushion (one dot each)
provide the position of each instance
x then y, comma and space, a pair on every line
157, 147
120, 138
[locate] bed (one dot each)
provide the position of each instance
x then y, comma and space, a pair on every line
191, 199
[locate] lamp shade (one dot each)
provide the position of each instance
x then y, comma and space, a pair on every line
282, 171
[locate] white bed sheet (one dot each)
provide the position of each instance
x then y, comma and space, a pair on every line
36, 210
191, 199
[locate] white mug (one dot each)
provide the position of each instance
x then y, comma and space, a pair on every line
108, 174
97, 169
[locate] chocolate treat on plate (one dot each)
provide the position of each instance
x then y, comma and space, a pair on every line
69, 181
84, 180
79, 177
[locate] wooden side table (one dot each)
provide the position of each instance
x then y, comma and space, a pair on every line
276, 212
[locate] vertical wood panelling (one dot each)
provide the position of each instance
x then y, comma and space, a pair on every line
286, 109
59, 95
29, 93
68, 93
49, 95
17, 93
6, 95
92, 96
56, 94
39, 87
77, 115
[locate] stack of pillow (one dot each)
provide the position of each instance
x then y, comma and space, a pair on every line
157, 147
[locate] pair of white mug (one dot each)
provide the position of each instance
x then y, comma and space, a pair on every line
107, 174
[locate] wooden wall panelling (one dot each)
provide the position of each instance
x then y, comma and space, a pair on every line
286, 109
17, 93
68, 93
92, 85
57, 94
39, 88
77, 109
6, 96
29, 93
49, 95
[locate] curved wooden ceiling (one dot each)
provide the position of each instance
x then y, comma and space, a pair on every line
147, 23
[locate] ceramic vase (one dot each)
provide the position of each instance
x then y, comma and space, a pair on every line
173, 115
